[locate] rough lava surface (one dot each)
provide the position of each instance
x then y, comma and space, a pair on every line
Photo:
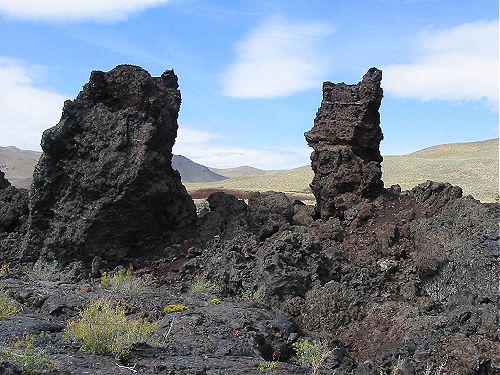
13, 217
346, 138
389, 281
104, 185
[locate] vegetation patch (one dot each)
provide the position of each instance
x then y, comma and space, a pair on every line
29, 357
103, 328
256, 295
311, 354
123, 281
44, 271
8, 306
207, 286
4, 269
269, 367
169, 309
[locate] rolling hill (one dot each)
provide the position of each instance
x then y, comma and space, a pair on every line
18, 165
474, 166
245, 171
194, 172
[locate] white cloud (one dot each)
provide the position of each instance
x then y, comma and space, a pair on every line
278, 59
75, 10
188, 136
202, 147
456, 64
25, 109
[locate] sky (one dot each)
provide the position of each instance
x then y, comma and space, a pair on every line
251, 71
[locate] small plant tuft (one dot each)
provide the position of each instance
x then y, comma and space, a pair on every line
44, 271
29, 357
8, 306
215, 301
269, 367
258, 295
4, 269
205, 287
169, 309
310, 353
104, 329
125, 282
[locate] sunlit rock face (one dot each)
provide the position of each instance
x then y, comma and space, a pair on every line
346, 138
104, 185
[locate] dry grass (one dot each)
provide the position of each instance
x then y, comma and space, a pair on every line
473, 166
295, 181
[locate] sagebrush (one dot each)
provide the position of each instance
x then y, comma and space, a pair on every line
103, 328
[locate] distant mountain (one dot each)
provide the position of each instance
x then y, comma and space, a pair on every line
18, 165
245, 170
194, 172
474, 166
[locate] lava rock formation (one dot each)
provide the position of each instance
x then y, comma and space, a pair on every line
346, 138
390, 282
13, 217
104, 185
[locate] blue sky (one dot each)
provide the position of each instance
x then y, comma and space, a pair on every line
250, 72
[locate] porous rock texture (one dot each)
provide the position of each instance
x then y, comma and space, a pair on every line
13, 217
3, 181
345, 138
104, 185
399, 283
391, 281
407, 280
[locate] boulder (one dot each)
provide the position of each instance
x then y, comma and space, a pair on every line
346, 138
269, 211
104, 185
226, 217
3, 181
13, 217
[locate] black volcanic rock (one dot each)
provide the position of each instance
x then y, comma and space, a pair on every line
405, 280
3, 181
390, 282
346, 138
269, 211
104, 185
13, 217
194, 172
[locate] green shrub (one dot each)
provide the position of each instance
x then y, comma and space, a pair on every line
44, 271
310, 354
4, 269
123, 281
169, 309
104, 329
8, 306
268, 367
25, 354
258, 295
205, 287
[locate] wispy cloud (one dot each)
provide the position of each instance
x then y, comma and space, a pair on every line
455, 64
118, 44
26, 110
75, 10
205, 148
278, 58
